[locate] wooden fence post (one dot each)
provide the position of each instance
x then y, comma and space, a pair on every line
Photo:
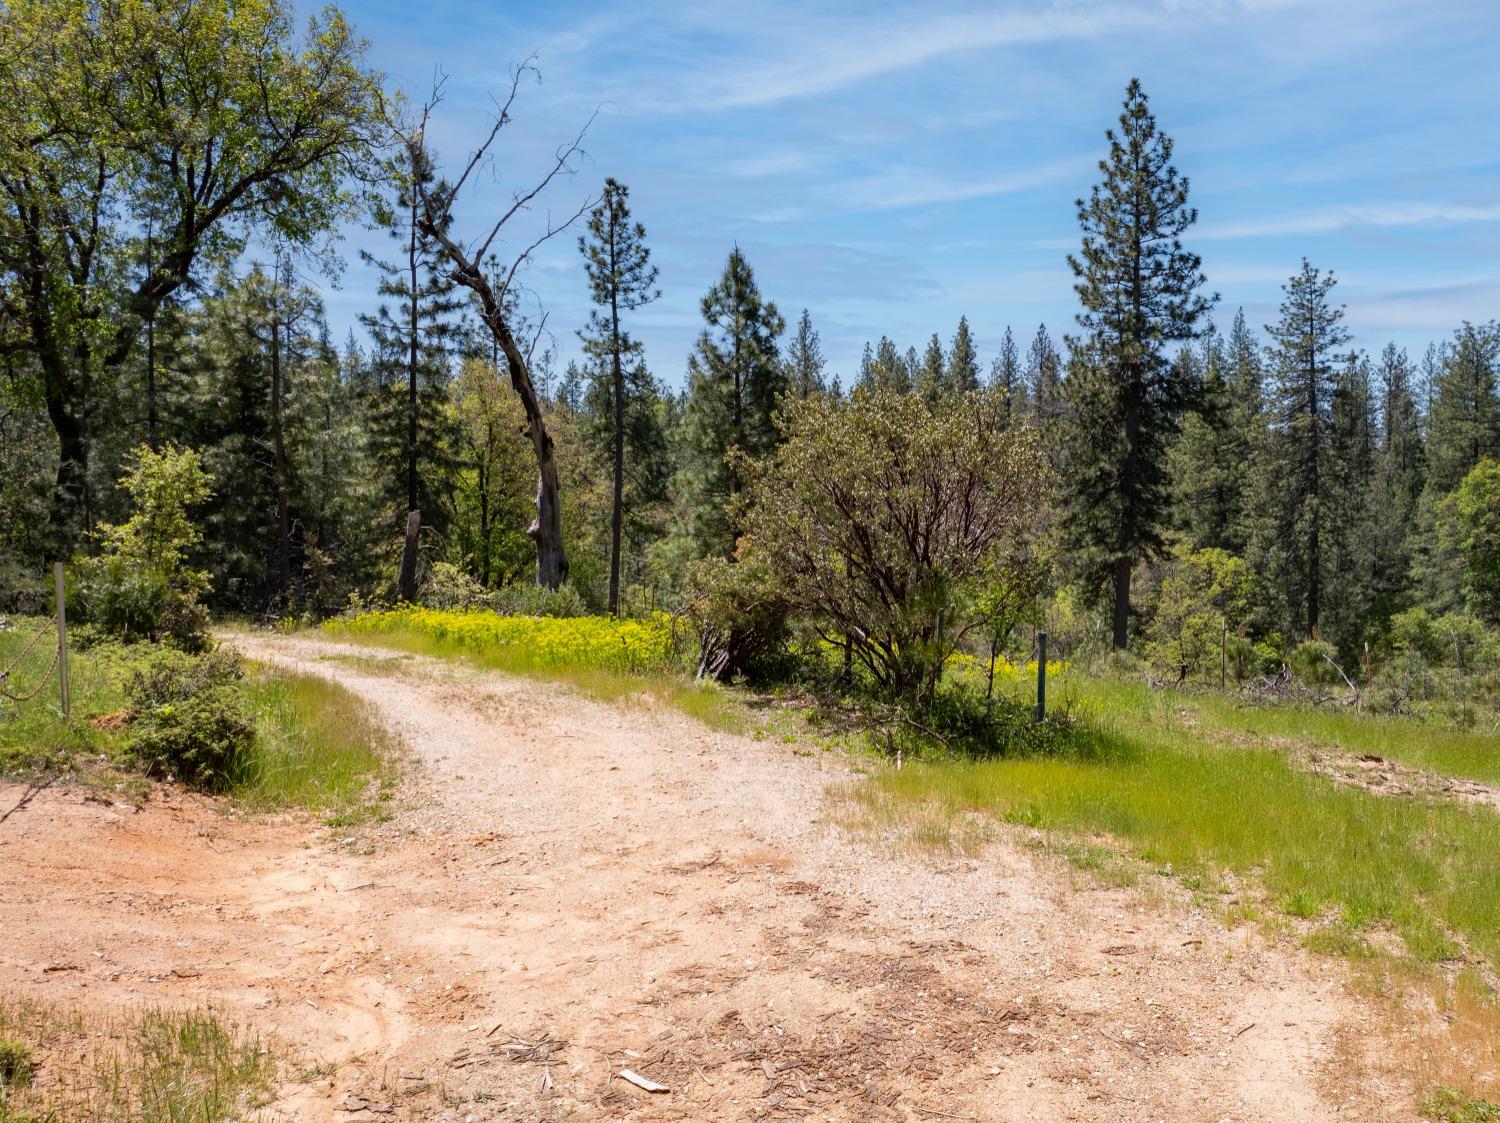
1041, 676
62, 638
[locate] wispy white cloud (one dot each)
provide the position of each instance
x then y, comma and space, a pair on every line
1333, 219
915, 187
801, 57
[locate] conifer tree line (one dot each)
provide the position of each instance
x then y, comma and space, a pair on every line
1296, 487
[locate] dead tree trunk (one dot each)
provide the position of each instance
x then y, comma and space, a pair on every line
406, 583
436, 217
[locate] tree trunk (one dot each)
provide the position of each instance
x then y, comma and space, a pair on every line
411, 365
617, 509
406, 583
278, 446
1122, 603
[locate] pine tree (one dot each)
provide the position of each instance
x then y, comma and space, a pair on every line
415, 336
1208, 460
1296, 474
1006, 378
1044, 379
1465, 419
961, 375
621, 278
1352, 546
1140, 293
805, 362
929, 376
735, 379
1397, 486
889, 370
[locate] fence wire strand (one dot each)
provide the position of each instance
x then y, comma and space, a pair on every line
5, 675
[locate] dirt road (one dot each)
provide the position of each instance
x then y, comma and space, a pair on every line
567, 890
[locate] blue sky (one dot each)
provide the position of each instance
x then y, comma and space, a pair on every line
892, 166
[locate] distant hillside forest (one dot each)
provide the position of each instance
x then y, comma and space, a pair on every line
1197, 488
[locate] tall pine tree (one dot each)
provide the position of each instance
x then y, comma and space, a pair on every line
805, 362
621, 278
1297, 476
415, 332
1140, 293
735, 379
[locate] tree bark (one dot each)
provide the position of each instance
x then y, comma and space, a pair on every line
406, 583
617, 508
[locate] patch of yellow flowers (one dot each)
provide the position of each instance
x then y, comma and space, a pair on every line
544, 642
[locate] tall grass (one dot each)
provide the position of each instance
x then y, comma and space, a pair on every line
34, 737
317, 746
153, 1065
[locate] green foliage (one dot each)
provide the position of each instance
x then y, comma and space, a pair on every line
740, 614
1449, 1106
1203, 597
1312, 661
735, 382
1469, 524
141, 586
190, 719
1140, 292
15, 1064
881, 521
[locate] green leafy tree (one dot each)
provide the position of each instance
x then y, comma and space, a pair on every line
1464, 426
1140, 291
199, 122
1007, 378
885, 521
735, 381
932, 370
621, 278
1470, 524
415, 333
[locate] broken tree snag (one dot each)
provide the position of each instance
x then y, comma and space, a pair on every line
436, 199
406, 584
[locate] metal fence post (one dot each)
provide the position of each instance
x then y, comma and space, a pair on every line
62, 638
1041, 676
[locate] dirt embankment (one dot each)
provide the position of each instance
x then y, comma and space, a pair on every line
568, 891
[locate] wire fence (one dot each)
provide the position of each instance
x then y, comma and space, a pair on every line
8, 688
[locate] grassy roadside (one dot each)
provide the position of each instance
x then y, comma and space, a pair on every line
66, 1066
708, 702
315, 746
1210, 716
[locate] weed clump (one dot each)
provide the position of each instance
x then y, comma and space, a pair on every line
190, 719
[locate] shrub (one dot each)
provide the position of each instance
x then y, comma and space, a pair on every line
740, 617
448, 586
190, 718
527, 599
1311, 662
141, 587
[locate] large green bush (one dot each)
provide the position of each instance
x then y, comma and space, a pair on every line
190, 718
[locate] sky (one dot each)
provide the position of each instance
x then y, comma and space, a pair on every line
891, 167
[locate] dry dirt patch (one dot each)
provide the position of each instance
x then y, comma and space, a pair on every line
570, 891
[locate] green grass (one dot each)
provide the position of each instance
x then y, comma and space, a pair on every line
1448, 1106
708, 702
150, 1066
1344, 858
34, 738
1223, 719
317, 747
